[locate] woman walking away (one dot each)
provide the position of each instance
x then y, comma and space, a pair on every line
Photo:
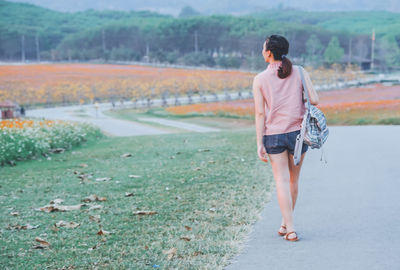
279, 111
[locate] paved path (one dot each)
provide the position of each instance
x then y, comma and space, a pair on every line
178, 124
112, 126
348, 210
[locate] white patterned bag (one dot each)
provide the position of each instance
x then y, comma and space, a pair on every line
314, 131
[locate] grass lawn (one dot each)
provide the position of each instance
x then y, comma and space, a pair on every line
207, 189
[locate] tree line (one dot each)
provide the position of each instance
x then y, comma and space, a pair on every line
31, 33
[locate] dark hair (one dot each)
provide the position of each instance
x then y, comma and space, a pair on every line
279, 46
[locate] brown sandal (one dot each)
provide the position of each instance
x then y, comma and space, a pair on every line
281, 233
291, 239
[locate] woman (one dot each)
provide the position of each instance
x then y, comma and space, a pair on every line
279, 110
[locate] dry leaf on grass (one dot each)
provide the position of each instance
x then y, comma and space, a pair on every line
126, 155
84, 165
95, 218
171, 253
185, 238
85, 176
95, 207
145, 213
188, 228
23, 227
42, 242
103, 232
128, 194
94, 247
61, 208
197, 169
66, 224
134, 176
57, 201
197, 253
103, 179
93, 198
204, 150
14, 214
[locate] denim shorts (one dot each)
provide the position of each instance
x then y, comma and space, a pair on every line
277, 143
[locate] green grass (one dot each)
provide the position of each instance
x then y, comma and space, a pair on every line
177, 180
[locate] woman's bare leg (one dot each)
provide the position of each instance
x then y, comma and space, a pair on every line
294, 180
280, 169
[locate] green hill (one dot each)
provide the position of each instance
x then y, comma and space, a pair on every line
223, 40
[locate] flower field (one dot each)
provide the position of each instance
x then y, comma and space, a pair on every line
376, 104
23, 139
85, 83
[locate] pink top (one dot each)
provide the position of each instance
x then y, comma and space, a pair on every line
284, 108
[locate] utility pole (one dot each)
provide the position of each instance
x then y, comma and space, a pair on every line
23, 48
147, 57
372, 49
103, 38
350, 52
196, 44
37, 48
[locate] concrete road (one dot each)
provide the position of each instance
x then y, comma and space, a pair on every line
112, 126
348, 210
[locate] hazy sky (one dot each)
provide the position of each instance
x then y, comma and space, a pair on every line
216, 6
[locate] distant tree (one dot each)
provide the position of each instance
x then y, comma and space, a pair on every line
388, 51
333, 53
314, 49
188, 11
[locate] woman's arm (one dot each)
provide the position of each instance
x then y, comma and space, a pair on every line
260, 119
314, 99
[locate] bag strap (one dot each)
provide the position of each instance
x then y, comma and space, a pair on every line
305, 87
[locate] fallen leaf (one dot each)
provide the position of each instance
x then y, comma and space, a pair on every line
54, 228
14, 214
171, 252
94, 247
85, 176
188, 228
128, 194
103, 179
66, 224
61, 208
42, 242
197, 253
204, 150
103, 232
134, 176
95, 207
95, 218
212, 209
211, 162
197, 169
185, 238
145, 213
23, 227
126, 155
84, 165
93, 198
57, 201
